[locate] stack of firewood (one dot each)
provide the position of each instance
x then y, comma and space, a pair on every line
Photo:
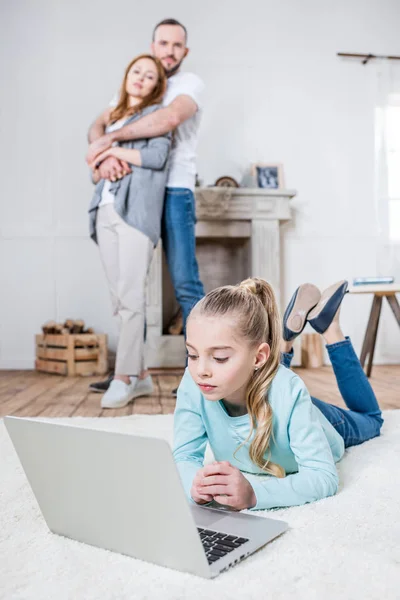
70, 326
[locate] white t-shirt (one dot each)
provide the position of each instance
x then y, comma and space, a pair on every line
182, 163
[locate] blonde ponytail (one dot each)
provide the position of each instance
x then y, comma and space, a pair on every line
253, 302
258, 407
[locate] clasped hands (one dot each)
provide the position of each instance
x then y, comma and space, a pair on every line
102, 158
224, 483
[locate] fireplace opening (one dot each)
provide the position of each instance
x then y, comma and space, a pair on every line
222, 261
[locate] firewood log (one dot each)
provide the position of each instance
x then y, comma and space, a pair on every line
68, 327
69, 323
78, 326
49, 327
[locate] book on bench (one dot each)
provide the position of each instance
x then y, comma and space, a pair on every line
373, 280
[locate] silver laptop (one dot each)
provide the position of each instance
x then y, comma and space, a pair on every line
123, 492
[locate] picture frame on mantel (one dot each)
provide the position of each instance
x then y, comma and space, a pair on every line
268, 175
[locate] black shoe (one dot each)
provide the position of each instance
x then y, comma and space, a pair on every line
101, 386
302, 302
175, 392
322, 315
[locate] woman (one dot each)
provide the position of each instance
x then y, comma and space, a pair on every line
125, 221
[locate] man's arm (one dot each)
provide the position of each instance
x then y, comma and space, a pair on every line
159, 122
156, 124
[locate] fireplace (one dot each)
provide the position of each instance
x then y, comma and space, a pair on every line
237, 236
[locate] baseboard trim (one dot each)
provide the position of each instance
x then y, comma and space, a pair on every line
17, 364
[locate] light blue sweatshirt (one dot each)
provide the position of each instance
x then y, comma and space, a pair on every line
304, 443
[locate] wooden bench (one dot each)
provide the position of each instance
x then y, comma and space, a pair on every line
387, 291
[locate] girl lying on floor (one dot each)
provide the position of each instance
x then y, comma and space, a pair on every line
273, 444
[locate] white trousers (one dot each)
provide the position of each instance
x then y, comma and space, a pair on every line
126, 255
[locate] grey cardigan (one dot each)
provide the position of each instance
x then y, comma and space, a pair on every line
139, 196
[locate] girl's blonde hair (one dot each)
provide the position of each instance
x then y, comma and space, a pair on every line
123, 107
254, 306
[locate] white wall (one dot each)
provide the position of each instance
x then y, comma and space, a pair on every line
275, 92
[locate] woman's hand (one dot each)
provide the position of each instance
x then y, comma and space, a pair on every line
95, 176
226, 485
96, 148
111, 168
102, 156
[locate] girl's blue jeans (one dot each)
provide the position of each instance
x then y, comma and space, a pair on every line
362, 420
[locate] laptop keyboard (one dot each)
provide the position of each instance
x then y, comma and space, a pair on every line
216, 544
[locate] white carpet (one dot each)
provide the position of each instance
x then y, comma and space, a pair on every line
343, 547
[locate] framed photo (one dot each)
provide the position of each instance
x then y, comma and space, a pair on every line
268, 175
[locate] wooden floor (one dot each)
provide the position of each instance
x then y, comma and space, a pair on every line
32, 394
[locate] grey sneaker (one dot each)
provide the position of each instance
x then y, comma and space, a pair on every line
144, 387
119, 394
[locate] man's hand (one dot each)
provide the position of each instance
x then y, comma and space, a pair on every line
97, 147
225, 484
112, 169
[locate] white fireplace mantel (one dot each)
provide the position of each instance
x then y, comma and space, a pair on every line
246, 214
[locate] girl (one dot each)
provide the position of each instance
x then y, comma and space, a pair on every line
125, 221
273, 444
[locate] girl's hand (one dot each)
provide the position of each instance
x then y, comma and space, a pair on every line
195, 493
226, 485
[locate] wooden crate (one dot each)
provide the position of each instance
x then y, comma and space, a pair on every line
72, 354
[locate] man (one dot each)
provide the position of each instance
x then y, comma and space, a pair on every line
181, 114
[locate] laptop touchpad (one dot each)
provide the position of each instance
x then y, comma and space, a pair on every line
205, 517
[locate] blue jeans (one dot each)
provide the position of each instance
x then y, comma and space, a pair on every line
363, 419
179, 241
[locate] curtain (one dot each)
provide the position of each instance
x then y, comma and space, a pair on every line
387, 192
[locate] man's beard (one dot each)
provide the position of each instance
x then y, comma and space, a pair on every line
170, 72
